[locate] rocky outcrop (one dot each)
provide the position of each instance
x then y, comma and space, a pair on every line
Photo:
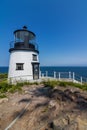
70, 110
3, 100
50, 109
82, 123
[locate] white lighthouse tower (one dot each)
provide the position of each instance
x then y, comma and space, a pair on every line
24, 60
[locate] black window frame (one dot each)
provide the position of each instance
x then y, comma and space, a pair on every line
34, 57
19, 66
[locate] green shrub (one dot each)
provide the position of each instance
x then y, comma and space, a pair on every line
3, 76
15, 88
83, 86
45, 109
36, 83
3, 87
70, 83
3, 96
50, 83
63, 84
53, 83
77, 85
27, 83
20, 84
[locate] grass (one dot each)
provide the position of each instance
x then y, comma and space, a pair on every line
3, 96
45, 109
54, 83
27, 83
15, 88
50, 83
2, 76
5, 87
64, 84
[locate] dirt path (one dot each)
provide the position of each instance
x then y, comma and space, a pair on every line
16, 103
41, 108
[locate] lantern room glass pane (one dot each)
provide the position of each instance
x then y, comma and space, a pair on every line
23, 35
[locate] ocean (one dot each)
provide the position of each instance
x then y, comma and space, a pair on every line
3, 69
80, 71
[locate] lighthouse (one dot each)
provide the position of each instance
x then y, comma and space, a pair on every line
24, 57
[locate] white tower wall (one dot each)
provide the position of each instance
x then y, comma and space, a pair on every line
25, 57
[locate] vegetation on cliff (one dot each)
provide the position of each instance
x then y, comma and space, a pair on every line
5, 87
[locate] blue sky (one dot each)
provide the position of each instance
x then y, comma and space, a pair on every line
60, 27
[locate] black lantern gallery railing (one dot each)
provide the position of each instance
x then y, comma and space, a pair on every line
16, 45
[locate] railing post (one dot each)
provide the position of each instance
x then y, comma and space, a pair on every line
59, 75
81, 80
73, 76
69, 75
40, 74
54, 74
46, 73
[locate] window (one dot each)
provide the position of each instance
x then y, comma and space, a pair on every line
19, 66
34, 57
